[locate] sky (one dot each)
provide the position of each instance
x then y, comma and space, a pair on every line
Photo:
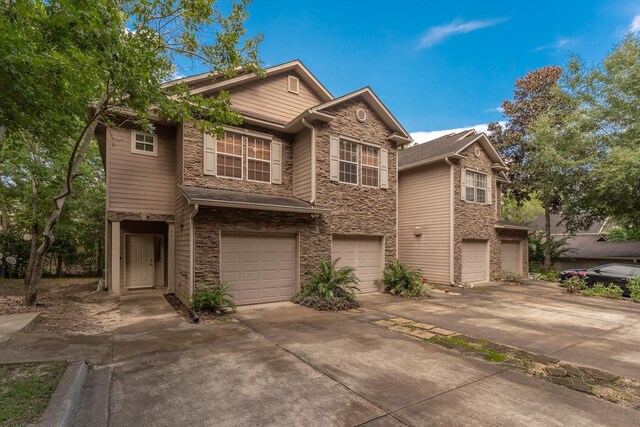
438, 66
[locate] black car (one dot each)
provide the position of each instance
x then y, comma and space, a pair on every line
612, 274
572, 272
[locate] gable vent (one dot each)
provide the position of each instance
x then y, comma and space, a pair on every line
293, 84
361, 115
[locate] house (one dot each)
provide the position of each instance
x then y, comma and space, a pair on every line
308, 176
449, 210
589, 247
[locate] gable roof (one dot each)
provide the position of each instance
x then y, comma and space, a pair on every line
242, 78
447, 146
559, 228
590, 246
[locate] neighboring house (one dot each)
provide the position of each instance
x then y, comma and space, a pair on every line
306, 177
589, 248
449, 205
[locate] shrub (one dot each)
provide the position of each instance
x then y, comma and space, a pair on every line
508, 276
550, 275
400, 279
330, 282
574, 284
600, 290
333, 304
634, 287
214, 300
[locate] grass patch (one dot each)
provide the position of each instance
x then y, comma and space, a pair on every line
480, 346
25, 391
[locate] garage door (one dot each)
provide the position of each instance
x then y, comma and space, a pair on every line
474, 260
259, 268
511, 256
365, 255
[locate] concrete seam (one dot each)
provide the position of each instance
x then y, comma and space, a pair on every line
587, 339
302, 359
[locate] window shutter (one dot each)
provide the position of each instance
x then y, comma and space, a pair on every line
463, 180
334, 158
276, 162
209, 155
384, 168
489, 188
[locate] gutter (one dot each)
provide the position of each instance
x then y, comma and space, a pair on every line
451, 219
313, 160
257, 206
445, 157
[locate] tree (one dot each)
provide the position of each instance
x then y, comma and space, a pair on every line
61, 57
545, 150
608, 96
523, 212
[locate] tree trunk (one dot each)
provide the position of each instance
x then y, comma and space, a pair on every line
34, 228
59, 266
547, 239
80, 152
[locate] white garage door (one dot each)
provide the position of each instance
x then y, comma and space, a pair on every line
259, 268
474, 261
511, 256
365, 255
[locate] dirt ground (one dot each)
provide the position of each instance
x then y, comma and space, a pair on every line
66, 306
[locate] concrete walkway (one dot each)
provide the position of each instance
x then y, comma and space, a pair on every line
11, 324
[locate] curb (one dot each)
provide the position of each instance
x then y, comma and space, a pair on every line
65, 400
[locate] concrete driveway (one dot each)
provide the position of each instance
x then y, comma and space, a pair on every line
282, 364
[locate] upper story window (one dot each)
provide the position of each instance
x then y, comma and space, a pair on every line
258, 159
475, 187
370, 166
348, 162
144, 143
229, 159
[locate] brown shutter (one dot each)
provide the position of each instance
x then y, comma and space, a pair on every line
334, 158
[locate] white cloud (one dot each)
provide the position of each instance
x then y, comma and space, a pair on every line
557, 45
495, 110
424, 136
635, 24
438, 34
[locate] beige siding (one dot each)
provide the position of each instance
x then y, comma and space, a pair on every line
424, 201
182, 230
139, 183
302, 165
269, 97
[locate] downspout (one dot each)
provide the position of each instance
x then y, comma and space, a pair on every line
451, 221
192, 263
313, 160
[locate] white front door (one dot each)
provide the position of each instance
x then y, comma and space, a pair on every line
140, 261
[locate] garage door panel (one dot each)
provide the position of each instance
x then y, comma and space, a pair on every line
474, 260
259, 268
362, 254
511, 256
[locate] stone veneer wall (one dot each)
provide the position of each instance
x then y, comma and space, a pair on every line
474, 220
357, 210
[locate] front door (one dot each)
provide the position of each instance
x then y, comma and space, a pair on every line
140, 261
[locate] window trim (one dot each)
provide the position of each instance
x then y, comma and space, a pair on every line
362, 165
246, 141
475, 189
357, 162
242, 138
135, 150
291, 79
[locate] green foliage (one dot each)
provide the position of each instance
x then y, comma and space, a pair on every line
634, 287
625, 232
574, 284
508, 276
481, 346
213, 300
537, 241
400, 279
330, 282
321, 304
600, 290
521, 212
548, 275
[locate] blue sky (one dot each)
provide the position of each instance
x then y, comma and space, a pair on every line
436, 65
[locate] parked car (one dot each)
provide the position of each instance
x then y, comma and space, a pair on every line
612, 274
572, 272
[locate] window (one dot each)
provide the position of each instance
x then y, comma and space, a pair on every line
370, 166
475, 187
348, 162
258, 159
144, 143
229, 155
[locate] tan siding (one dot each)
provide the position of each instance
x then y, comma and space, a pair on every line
302, 165
139, 183
181, 230
424, 201
269, 97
